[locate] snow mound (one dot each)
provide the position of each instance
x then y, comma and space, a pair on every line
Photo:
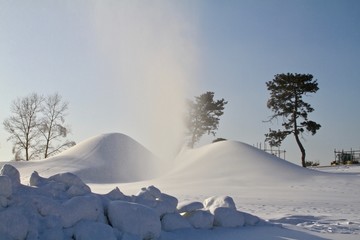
117, 158
238, 163
48, 210
106, 158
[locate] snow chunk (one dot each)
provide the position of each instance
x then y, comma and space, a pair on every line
53, 234
12, 173
115, 194
135, 219
50, 188
174, 221
80, 208
160, 202
13, 223
228, 217
219, 201
166, 204
189, 206
78, 191
87, 230
73, 183
129, 236
63, 185
52, 228
4, 202
5, 186
200, 219
47, 206
150, 193
36, 180
250, 219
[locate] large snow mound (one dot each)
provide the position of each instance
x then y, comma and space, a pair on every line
106, 158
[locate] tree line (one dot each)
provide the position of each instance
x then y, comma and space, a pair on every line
37, 124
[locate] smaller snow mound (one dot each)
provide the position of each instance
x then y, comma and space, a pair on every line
237, 162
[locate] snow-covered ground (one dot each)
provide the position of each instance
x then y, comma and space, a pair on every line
293, 202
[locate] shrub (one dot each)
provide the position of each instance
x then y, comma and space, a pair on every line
312, 164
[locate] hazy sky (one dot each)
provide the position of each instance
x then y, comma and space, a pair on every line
127, 66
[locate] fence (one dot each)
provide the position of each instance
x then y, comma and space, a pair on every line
274, 151
347, 157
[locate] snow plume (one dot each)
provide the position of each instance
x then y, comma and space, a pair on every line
149, 47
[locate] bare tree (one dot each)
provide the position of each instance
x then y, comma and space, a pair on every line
23, 126
52, 126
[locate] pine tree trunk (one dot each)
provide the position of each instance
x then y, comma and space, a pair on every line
296, 131
302, 149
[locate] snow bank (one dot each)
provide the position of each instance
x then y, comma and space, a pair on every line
62, 206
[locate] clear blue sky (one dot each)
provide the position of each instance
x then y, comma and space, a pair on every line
126, 66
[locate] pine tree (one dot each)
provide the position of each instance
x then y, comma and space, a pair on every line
203, 116
286, 101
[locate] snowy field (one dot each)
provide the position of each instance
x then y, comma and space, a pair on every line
269, 198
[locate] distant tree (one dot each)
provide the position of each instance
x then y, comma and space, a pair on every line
52, 126
286, 101
23, 126
203, 116
37, 127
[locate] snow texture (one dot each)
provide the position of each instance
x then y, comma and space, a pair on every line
297, 203
50, 209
